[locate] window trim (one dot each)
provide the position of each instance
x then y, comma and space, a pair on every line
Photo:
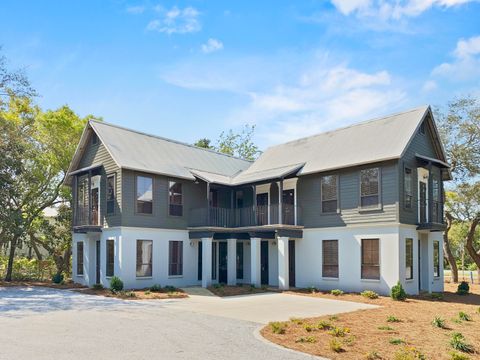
136, 255
170, 275
83, 258
379, 260
136, 193
114, 175
338, 260
337, 194
409, 276
168, 199
437, 266
405, 167
380, 203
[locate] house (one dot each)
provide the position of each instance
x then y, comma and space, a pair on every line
357, 208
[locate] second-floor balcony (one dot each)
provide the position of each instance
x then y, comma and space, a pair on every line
258, 215
430, 214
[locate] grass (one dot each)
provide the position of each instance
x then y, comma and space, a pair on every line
229, 290
464, 316
438, 322
393, 319
144, 294
396, 341
458, 342
278, 327
386, 328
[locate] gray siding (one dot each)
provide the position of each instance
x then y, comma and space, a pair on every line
309, 198
98, 154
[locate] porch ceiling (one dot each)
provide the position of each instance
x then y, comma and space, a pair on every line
264, 232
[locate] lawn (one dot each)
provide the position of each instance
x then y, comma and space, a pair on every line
397, 330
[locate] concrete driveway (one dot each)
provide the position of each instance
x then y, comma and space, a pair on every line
42, 323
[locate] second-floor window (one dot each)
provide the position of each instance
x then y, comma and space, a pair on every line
408, 188
370, 187
110, 194
329, 194
144, 194
175, 198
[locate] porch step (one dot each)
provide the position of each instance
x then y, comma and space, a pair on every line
197, 290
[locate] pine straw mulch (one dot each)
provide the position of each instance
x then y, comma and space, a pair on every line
65, 285
364, 337
228, 290
144, 294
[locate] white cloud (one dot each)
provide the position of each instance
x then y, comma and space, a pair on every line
429, 86
176, 21
135, 10
212, 45
466, 62
388, 9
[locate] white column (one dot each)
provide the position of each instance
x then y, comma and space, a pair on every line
232, 261
206, 262
255, 261
283, 272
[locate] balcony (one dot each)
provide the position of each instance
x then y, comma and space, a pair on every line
86, 220
260, 215
430, 215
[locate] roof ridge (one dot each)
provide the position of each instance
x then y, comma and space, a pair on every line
167, 139
364, 122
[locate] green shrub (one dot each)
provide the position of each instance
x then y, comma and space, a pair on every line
278, 327
57, 278
97, 287
372, 355
338, 331
438, 322
296, 321
116, 284
393, 319
147, 292
130, 294
369, 294
323, 325
396, 341
387, 328
308, 327
170, 288
336, 346
436, 296
458, 356
457, 341
25, 269
463, 288
464, 316
308, 339
408, 353
312, 289
156, 288
336, 292
398, 293
333, 318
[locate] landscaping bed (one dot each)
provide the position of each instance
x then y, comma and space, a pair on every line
142, 294
422, 327
227, 290
49, 284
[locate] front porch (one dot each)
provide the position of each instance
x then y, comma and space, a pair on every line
257, 256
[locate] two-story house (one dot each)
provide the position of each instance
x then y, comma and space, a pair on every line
357, 208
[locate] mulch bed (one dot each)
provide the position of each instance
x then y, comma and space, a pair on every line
143, 294
369, 333
65, 285
227, 290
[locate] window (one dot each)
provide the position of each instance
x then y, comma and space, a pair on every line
407, 184
436, 258
239, 260
94, 138
409, 259
175, 198
422, 128
144, 258
214, 261
370, 187
370, 259
110, 257
329, 193
330, 258
110, 194
175, 262
80, 258
144, 194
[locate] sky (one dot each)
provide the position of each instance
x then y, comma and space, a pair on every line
192, 69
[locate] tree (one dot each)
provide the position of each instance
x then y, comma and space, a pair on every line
204, 143
460, 132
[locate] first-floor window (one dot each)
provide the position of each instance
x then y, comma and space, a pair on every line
80, 258
409, 259
144, 258
214, 261
110, 257
330, 258
175, 258
239, 260
436, 258
371, 259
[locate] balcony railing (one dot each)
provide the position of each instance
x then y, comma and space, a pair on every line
84, 218
246, 216
436, 215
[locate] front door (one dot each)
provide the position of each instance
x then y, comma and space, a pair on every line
423, 202
222, 262
262, 209
291, 263
288, 207
97, 260
264, 262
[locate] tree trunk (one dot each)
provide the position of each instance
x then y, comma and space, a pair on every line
448, 251
469, 241
13, 246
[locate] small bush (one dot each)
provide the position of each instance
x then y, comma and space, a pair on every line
369, 294
338, 332
97, 287
387, 328
336, 346
398, 293
324, 325
130, 294
349, 341
436, 296
170, 288
296, 321
156, 288
393, 319
458, 356
464, 316
57, 278
372, 355
333, 318
336, 292
116, 284
278, 327
148, 292
308, 339
396, 341
457, 341
438, 322
463, 288
312, 289
408, 353
308, 327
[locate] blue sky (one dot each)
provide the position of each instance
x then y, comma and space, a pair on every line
190, 69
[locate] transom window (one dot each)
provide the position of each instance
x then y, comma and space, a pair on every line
175, 264
144, 258
408, 259
408, 188
110, 194
110, 257
330, 258
329, 193
370, 187
144, 194
371, 259
175, 198
80, 258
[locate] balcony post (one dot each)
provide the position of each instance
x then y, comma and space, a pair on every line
232, 262
430, 194
280, 202
207, 262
